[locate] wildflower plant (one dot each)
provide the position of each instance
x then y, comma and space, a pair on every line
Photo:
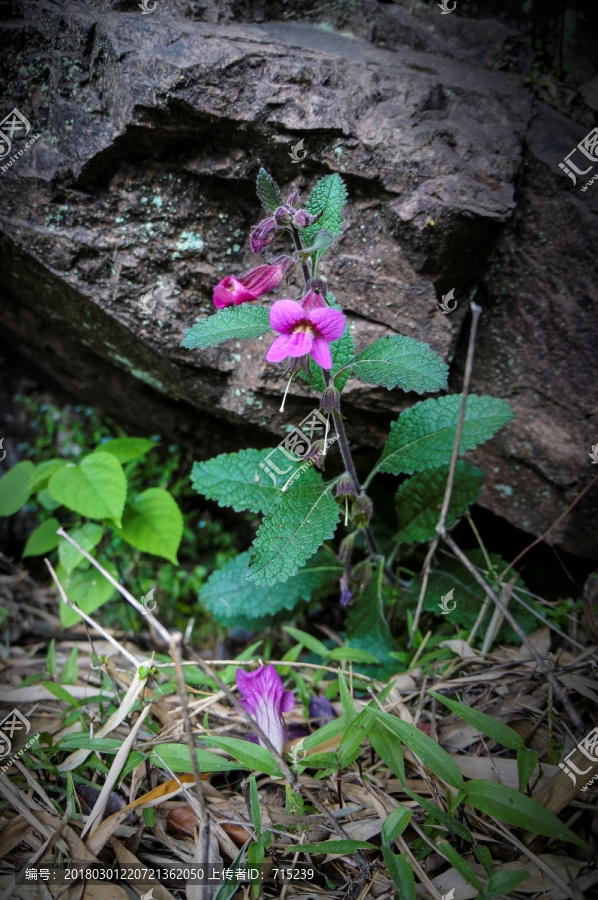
293, 559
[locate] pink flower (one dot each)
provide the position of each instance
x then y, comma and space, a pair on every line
303, 331
264, 698
233, 291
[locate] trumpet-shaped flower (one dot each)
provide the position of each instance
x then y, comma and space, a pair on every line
304, 331
264, 698
232, 291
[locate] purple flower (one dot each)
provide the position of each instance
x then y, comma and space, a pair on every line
302, 219
263, 234
232, 291
304, 331
264, 698
321, 711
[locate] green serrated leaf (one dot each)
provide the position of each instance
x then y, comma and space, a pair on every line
247, 753
502, 802
268, 191
87, 589
153, 523
43, 539
178, 760
16, 486
44, 471
96, 487
232, 600
233, 323
498, 731
296, 526
342, 352
88, 537
126, 449
430, 753
237, 479
419, 499
367, 629
424, 435
398, 361
327, 198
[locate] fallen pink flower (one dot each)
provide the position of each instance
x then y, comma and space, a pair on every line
304, 331
233, 291
264, 697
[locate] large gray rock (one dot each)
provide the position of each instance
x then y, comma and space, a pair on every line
153, 128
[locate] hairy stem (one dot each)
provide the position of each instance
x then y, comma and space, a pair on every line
299, 246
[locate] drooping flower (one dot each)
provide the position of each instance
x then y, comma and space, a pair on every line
263, 234
321, 710
232, 291
304, 331
302, 219
264, 698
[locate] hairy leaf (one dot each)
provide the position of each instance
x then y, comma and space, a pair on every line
342, 352
233, 323
502, 802
95, 488
16, 486
424, 435
296, 526
268, 191
419, 499
237, 480
234, 601
153, 523
398, 361
328, 197
43, 539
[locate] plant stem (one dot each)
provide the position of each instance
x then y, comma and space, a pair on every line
299, 246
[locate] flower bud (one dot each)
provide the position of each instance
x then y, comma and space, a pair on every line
345, 487
331, 400
294, 199
282, 215
362, 511
263, 235
302, 219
